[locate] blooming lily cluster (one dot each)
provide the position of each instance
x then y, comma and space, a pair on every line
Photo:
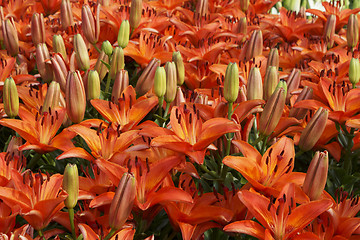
168, 119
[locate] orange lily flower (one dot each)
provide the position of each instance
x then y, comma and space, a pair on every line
280, 219
89, 234
189, 135
38, 197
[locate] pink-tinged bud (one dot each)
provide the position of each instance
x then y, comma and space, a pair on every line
60, 70
244, 5
66, 15
313, 130
254, 84
146, 79
90, 24
316, 176
352, 31
300, 113
117, 62
37, 29
231, 84
59, 46
93, 85
160, 82
171, 81
179, 98
273, 59
122, 202
180, 69
135, 13
100, 67
10, 98
75, 97
329, 30
11, 40
52, 98
43, 63
81, 53
271, 80
293, 82
255, 45
71, 185
121, 82
273, 110
124, 34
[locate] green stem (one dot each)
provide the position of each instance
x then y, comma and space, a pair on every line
205, 169
96, 47
298, 154
71, 217
108, 81
41, 234
34, 160
111, 233
230, 136
167, 109
263, 147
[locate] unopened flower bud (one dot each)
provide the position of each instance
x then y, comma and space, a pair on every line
100, 67
160, 82
273, 59
171, 81
122, 202
352, 31
107, 47
244, 5
124, 34
179, 98
117, 62
329, 30
71, 185
316, 176
52, 97
293, 82
37, 29
242, 28
75, 97
271, 80
354, 71
81, 53
10, 98
11, 40
120, 83
60, 70
93, 85
255, 45
180, 69
66, 15
146, 79
300, 113
313, 130
273, 110
135, 13
90, 24
254, 84
43, 63
59, 46
231, 84
293, 5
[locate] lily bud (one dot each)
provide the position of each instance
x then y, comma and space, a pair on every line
60, 70
100, 67
300, 113
117, 62
231, 84
313, 130
293, 82
81, 53
93, 85
11, 40
75, 97
255, 45
66, 15
10, 98
124, 34
180, 69
273, 59
271, 80
352, 31
354, 71
37, 29
254, 84
1, 23
146, 79
122, 202
121, 82
52, 98
242, 28
171, 81
90, 24
71, 185
160, 82
59, 46
329, 30
43, 62
316, 176
273, 110
244, 5
179, 98
135, 13
107, 47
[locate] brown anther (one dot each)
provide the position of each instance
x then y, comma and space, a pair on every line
147, 165
42, 120
278, 210
190, 118
110, 105
36, 116
289, 210
179, 119
288, 170
269, 206
52, 120
290, 162
30, 90
267, 160
284, 197
37, 94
